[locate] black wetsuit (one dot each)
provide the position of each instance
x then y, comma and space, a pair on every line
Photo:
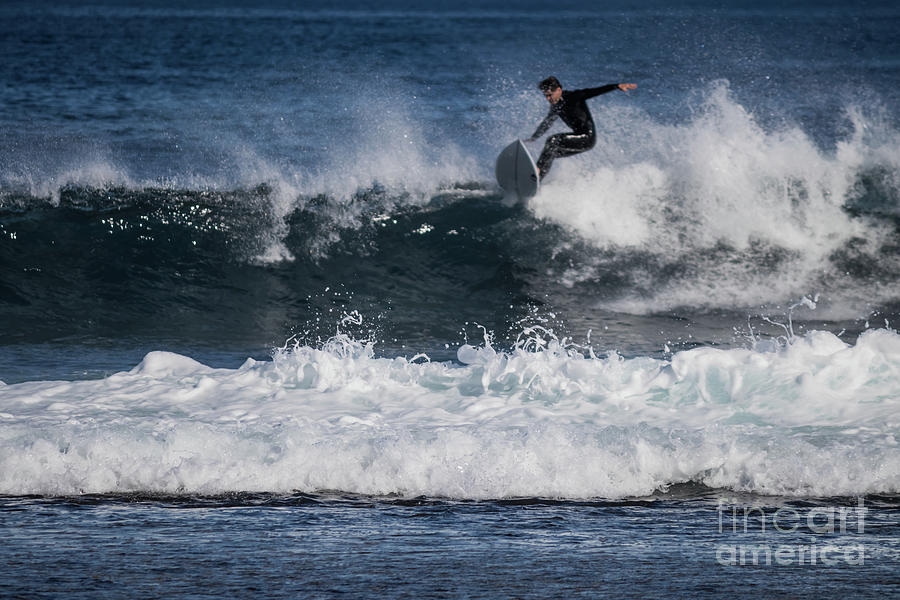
574, 112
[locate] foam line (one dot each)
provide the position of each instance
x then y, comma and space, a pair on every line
816, 417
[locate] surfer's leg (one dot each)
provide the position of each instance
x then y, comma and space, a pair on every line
562, 144
550, 152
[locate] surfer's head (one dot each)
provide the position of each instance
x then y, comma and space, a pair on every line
552, 89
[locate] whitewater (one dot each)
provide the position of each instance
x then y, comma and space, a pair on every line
812, 417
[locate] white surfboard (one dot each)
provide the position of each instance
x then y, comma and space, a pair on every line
516, 171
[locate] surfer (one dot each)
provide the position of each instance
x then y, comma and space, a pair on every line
571, 106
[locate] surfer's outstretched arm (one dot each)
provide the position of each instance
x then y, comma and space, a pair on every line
603, 89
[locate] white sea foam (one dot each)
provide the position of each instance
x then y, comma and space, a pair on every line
721, 174
814, 417
720, 180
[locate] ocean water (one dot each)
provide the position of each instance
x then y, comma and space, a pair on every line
268, 327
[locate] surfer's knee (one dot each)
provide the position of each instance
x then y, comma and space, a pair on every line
556, 140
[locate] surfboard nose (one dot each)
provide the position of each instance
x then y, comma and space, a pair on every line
516, 172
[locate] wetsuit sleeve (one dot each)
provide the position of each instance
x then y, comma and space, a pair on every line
591, 92
545, 125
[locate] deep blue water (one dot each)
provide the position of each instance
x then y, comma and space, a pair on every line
318, 547
472, 399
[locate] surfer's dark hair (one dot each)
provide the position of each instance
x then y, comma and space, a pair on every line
551, 83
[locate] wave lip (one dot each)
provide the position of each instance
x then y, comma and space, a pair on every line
814, 418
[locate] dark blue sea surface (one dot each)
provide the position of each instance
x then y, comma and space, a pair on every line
326, 547
269, 327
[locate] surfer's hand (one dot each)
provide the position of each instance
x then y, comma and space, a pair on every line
627, 86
